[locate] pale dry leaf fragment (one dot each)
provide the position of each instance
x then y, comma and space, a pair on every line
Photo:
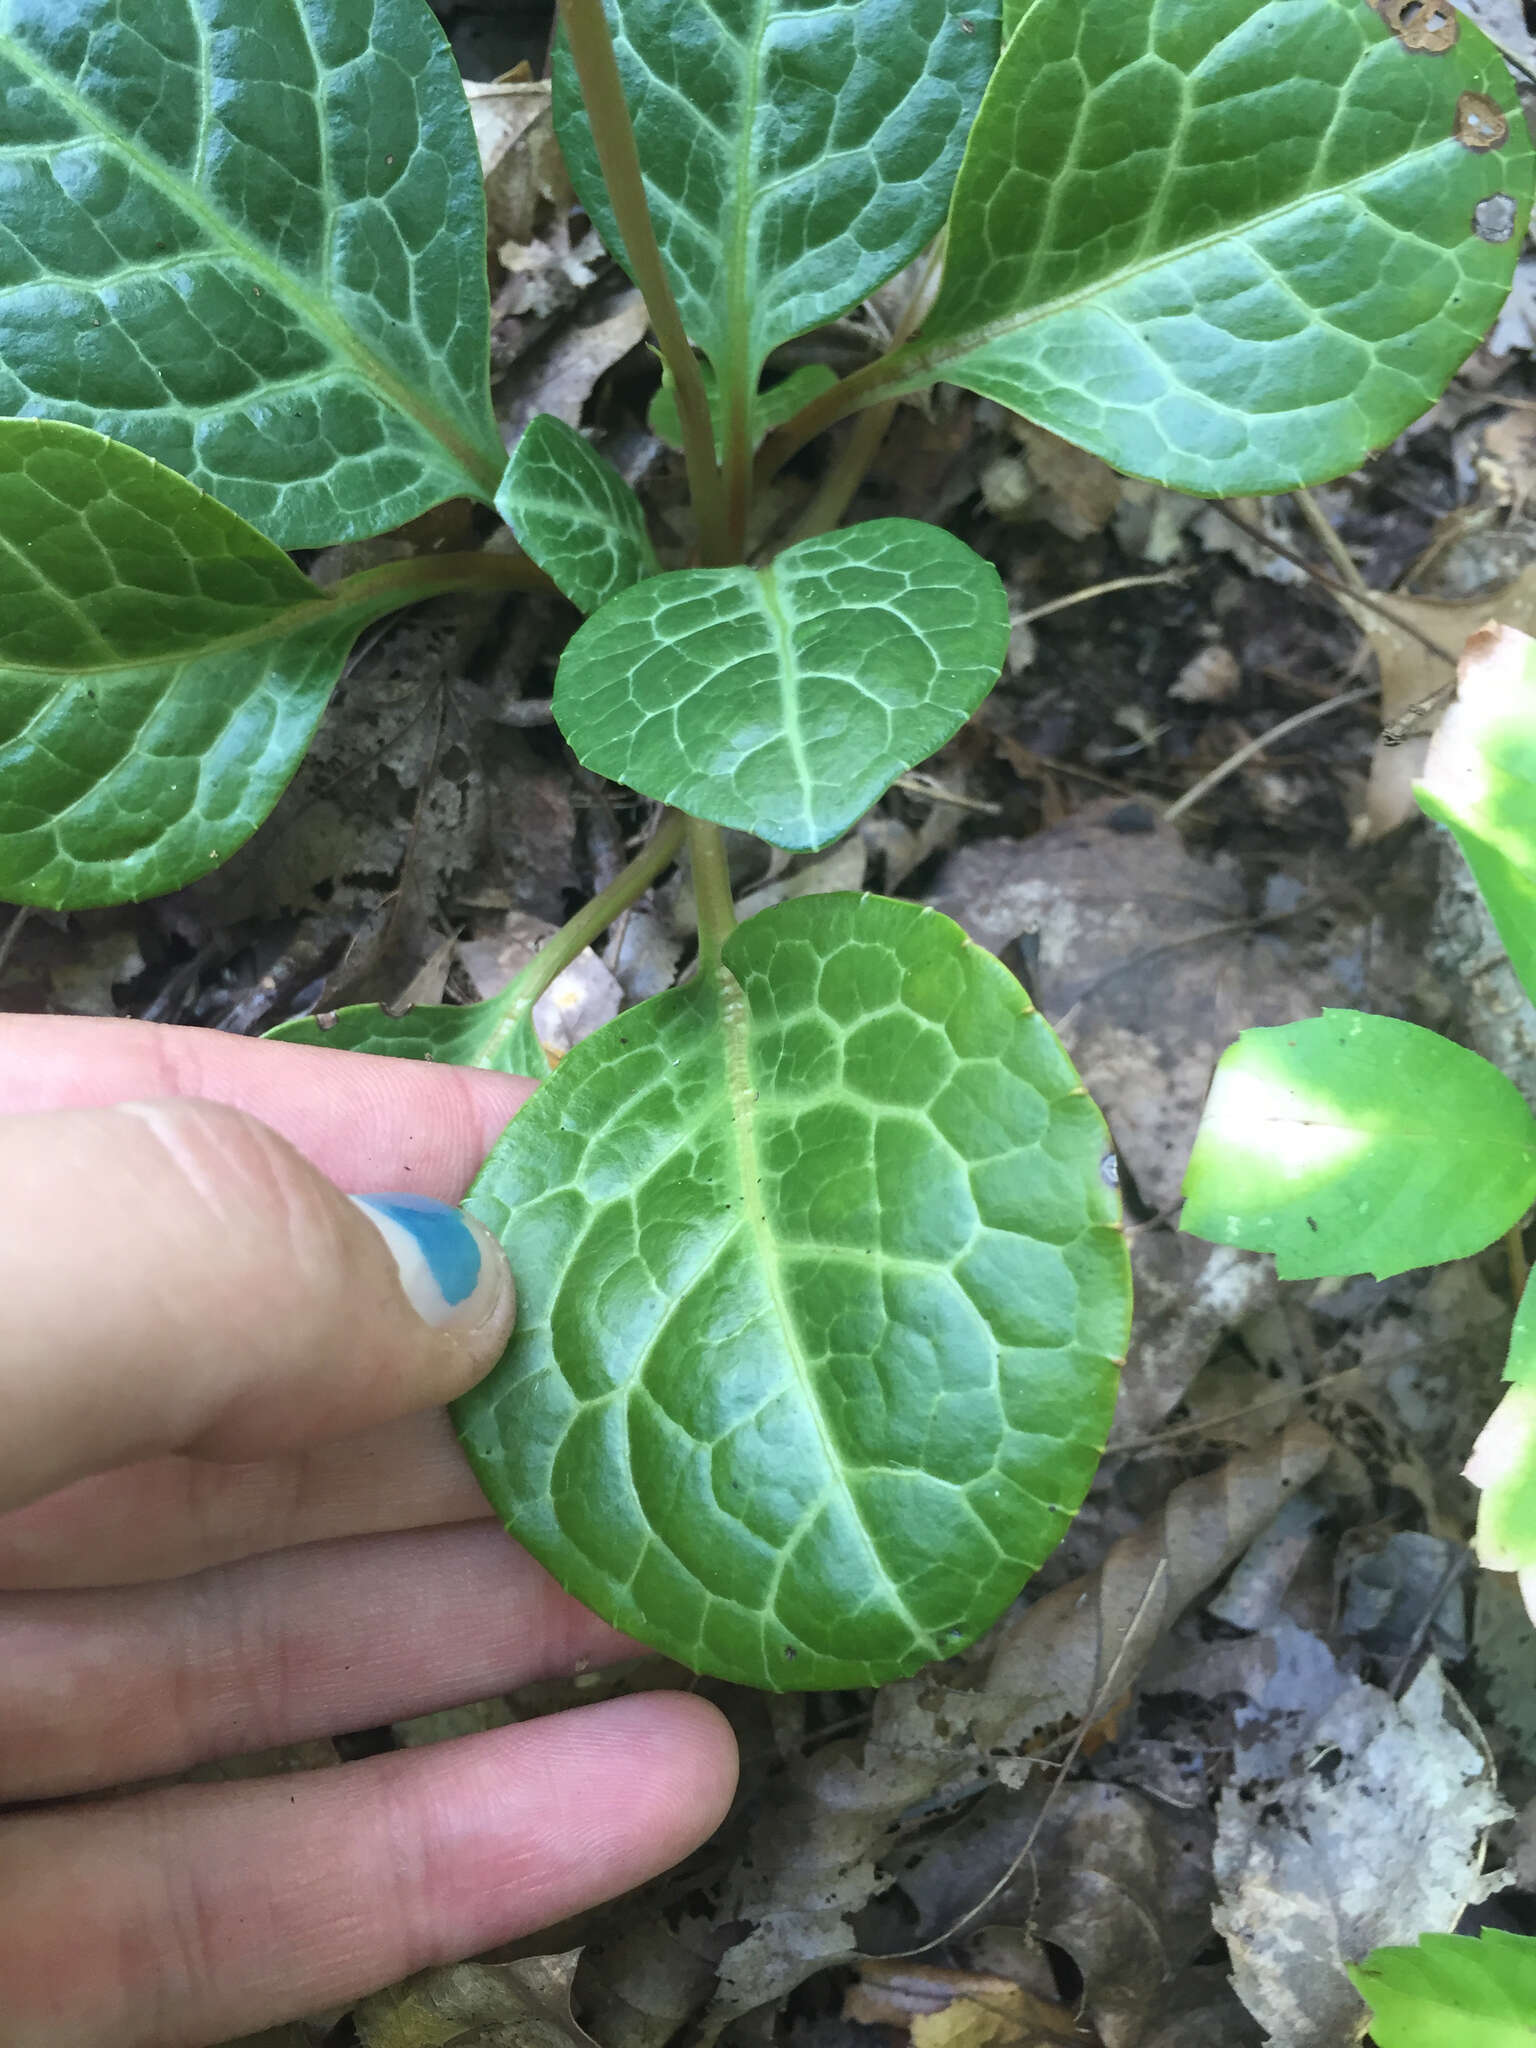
946, 2008
519, 157
1074, 491
1209, 677
477, 2005
1428, 25
1374, 1837
559, 377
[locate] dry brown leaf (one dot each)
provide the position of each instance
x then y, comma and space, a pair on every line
477, 2005
519, 157
945, 2008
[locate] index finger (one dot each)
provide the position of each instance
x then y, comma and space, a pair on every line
372, 1125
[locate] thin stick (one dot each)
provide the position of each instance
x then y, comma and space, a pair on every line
1061, 604
1235, 761
613, 136
1336, 551
1514, 1252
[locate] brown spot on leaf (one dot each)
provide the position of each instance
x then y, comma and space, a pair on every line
1493, 219
1480, 122
1420, 24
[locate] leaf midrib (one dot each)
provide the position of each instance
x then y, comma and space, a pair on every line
920, 358
741, 1096
278, 625
485, 473
782, 631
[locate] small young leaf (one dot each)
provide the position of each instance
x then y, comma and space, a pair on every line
1232, 246
1452, 1991
248, 238
770, 407
162, 667
1480, 780
794, 157
1354, 1144
820, 1296
488, 1035
784, 700
574, 514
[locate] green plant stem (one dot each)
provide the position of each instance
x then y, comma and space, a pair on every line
423, 576
1514, 1253
738, 468
590, 922
613, 135
847, 395
711, 889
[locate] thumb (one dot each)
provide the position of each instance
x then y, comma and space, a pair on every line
176, 1277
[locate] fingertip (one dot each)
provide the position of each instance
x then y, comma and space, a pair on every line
455, 1276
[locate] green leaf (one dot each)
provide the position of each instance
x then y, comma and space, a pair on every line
770, 407
1355, 1144
794, 157
162, 667
820, 1296
1503, 1461
1480, 780
784, 700
247, 236
494, 1035
1452, 1991
574, 514
1228, 245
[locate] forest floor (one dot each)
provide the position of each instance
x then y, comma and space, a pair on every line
1261, 1711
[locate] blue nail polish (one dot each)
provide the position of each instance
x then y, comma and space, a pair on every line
433, 1247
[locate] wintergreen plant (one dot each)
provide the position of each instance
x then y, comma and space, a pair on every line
822, 1287
1350, 1143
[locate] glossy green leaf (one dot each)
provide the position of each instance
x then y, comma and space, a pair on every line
770, 407
1451, 1991
794, 157
162, 667
247, 236
1354, 1144
496, 1035
820, 1296
1480, 780
574, 514
784, 700
1503, 1461
1230, 244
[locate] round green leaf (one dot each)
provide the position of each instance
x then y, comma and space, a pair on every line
494, 1035
794, 157
247, 236
1355, 1144
574, 514
1228, 245
162, 667
785, 700
821, 1293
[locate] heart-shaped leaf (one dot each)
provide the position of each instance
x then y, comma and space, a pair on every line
820, 1296
162, 667
574, 514
794, 157
1232, 246
247, 236
1480, 780
1355, 1144
770, 407
784, 700
495, 1035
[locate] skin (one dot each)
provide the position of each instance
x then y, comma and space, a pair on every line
232, 1515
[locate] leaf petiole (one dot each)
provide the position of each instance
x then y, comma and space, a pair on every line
711, 889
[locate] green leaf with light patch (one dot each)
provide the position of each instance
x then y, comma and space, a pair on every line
821, 1291
1452, 1991
771, 406
1232, 246
784, 700
1355, 1144
1480, 780
794, 157
247, 236
574, 514
162, 667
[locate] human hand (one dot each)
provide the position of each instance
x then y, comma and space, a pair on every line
237, 1518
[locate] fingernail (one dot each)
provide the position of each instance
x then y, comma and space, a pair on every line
451, 1268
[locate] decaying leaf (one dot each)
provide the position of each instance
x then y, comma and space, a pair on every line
476, 2005
1374, 1836
519, 157
941, 2007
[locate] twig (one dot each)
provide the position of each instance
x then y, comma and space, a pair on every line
1335, 549
1276, 732
1060, 604
12, 934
